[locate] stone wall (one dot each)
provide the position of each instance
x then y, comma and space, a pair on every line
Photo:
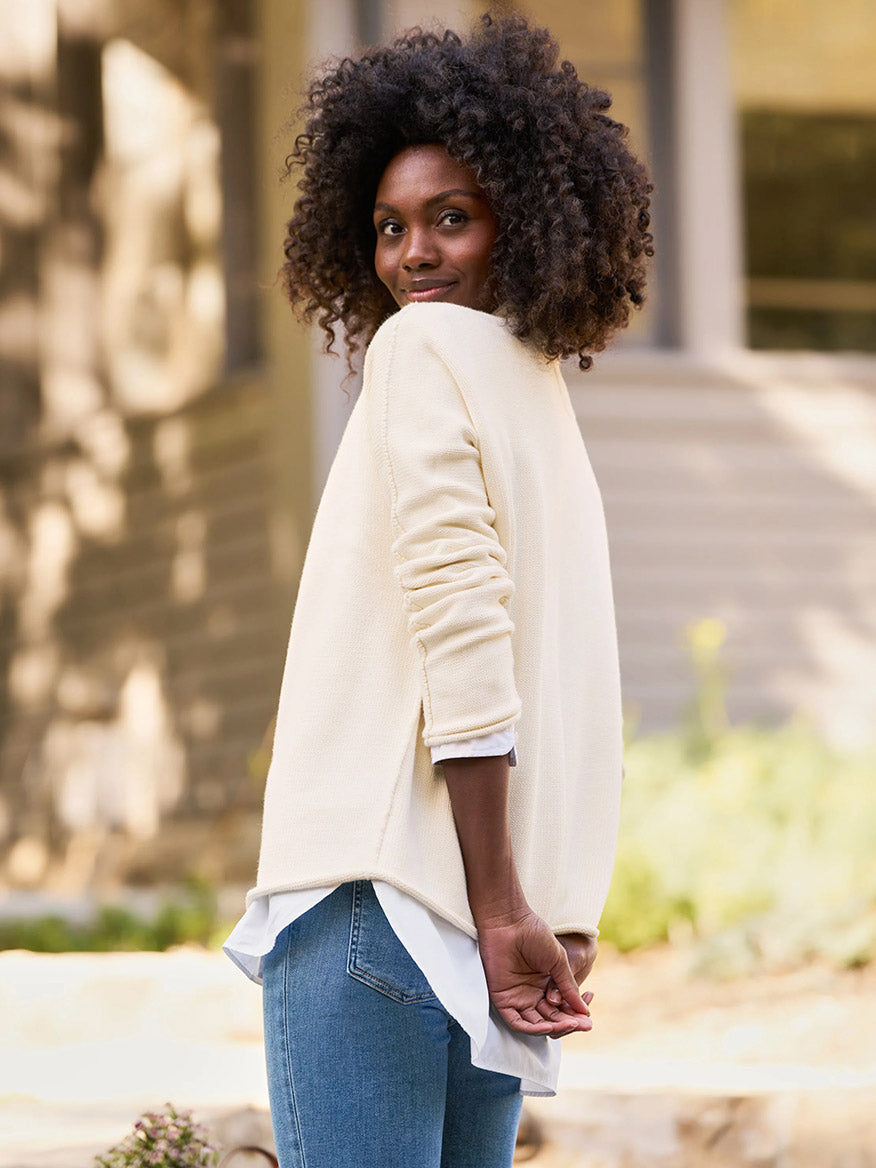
143, 618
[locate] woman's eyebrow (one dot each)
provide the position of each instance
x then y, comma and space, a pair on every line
434, 199
456, 191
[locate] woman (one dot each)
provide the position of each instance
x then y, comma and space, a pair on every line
421, 922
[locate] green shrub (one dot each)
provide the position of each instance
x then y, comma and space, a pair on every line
190, 916
760, 837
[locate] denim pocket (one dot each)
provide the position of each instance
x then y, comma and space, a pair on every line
377, 957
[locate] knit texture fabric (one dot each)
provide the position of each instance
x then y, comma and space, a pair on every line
456, 583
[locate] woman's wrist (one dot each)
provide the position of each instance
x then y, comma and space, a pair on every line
498, 904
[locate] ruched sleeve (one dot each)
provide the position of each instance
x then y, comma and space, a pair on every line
447, 556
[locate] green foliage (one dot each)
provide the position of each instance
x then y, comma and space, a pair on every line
169, 1139
756, 843
191, 917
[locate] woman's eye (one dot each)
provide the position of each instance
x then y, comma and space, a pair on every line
389, 227
452, 218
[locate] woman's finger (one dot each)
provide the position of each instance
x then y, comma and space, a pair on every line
553, 995
532, 1014
553, 1007
559, 1029
551, 1013
571, 1024
515, 1020
566, 984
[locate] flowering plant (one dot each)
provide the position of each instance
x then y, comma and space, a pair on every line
168, 1139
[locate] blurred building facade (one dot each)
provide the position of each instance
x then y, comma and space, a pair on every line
165, 427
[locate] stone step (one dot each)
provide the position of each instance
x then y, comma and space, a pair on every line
699, 1128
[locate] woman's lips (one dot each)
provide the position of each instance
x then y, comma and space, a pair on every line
430, 291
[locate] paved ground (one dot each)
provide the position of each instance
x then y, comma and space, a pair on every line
776, 1070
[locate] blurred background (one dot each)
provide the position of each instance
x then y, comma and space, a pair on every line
166, 428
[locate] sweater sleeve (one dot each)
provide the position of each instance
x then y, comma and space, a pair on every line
448, 559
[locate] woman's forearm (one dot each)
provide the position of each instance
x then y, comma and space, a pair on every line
526, 968
478, 789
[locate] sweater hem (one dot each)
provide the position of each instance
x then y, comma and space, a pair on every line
466, 926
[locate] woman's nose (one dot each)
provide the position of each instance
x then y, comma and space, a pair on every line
420, 252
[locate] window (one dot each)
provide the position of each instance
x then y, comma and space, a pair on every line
806, 99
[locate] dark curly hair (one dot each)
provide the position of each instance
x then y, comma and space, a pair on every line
570, 199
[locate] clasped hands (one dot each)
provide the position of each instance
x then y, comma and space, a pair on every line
533, 975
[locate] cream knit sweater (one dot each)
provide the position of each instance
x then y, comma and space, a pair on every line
457, 581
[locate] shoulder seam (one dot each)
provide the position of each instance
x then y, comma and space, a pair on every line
397, 527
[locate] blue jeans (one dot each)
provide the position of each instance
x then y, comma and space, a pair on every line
366, 1069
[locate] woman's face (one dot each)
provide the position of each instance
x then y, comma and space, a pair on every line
435, 230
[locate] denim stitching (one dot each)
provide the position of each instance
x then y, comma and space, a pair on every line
366, 977
292, 1098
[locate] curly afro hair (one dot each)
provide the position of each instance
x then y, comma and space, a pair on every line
570, 199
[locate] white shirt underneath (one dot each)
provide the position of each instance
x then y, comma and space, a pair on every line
448, 958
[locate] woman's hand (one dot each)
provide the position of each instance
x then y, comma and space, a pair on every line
529, 976
581, 951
